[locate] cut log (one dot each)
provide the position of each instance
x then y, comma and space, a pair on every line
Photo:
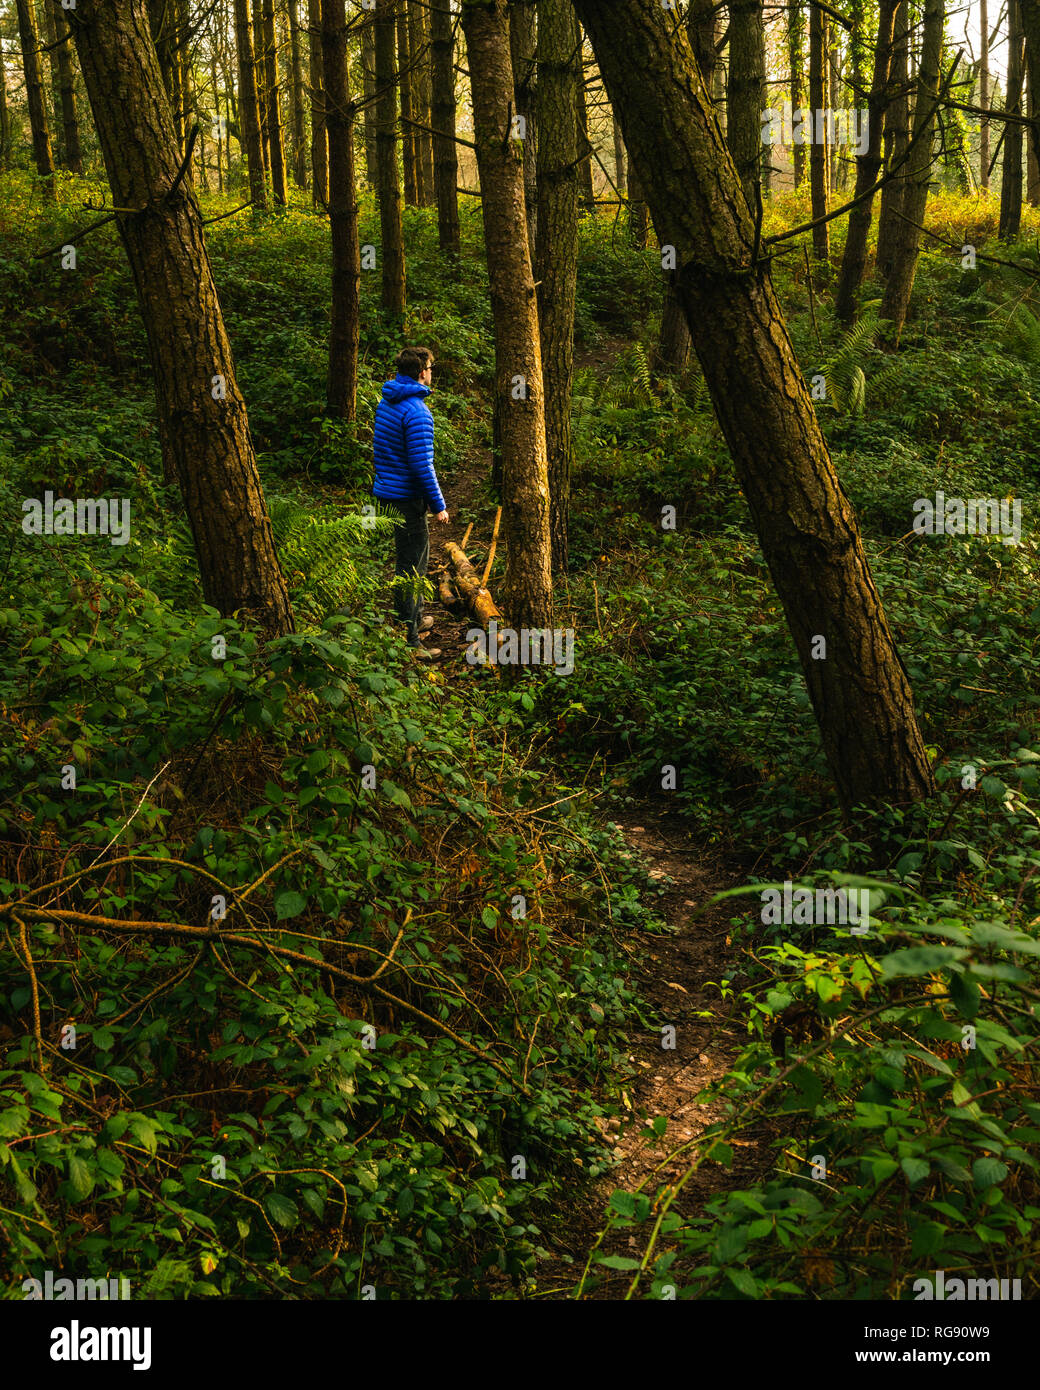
478, 600
447, 595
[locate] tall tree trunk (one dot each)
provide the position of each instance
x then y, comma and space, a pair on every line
673, 339
556, 269
299, 139
201, 414
897, 138
5, 118
518, 363
984, 95
319, 133
702, 31
1011, 178
585, 188
818, 148
388, 187
49, 39
368, 116
620, 161
221, 122
638, 213
907, 240
407, 114
182, 61
38, 126
522, 51
419, 50
745, 98
445, 157
345, 318
274, 106
248, 106
1030, 15
1033, 147
260, 48
868, 167
833, 96
796, 58
804, 521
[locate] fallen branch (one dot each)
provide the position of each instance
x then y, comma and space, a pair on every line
478, 600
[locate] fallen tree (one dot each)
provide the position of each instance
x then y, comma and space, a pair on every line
479, 603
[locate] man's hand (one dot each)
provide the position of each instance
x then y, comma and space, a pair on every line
442, 516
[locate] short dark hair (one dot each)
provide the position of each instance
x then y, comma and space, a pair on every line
412, 361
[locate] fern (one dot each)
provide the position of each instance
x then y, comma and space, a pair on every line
1022, 335
846, 380
317, 553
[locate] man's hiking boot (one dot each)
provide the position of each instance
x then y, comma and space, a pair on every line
425, 653
425, 624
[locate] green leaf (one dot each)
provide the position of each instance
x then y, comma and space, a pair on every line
289, 904
743, 1282
617, 1262
281, 1209
80, 1179
920, 960
965, 995
987, 1172
916, 1169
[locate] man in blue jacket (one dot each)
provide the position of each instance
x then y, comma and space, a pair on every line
403, 448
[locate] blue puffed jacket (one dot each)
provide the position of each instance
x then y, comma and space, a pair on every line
403, 445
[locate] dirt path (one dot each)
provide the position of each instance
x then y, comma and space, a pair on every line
674, 975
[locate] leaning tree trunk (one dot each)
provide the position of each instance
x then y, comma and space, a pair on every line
868, 166
298, 123
522, 49
897, 138
518, 363
248, 106
388, 187
559, 79
38, 127
795, 48
907, 238
274, 107
345, 314
746, 95
1011, 180
319, 134
445, 158
201, 414
818, 148
804, 521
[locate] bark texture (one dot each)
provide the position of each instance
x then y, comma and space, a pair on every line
907, 237
274, 106
897, 138
746, 92
445, 158
1011, 180
319, 133
388, 186
868, 167
522, 52
345, 313
518, 363
818, 149
248, 105
201, 414
556, 269
805, 523
299, 138
39, 128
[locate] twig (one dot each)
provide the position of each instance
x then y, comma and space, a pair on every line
491, 552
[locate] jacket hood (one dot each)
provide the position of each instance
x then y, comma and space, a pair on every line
402, 387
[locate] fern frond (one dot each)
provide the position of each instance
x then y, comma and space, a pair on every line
317, 552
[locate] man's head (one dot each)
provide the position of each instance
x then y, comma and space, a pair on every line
416, 362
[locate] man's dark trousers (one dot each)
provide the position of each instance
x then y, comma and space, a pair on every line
412, 556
